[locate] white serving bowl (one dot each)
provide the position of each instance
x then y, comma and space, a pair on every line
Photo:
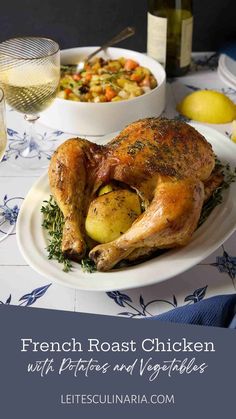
101, 118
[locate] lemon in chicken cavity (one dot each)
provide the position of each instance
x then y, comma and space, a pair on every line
208, 106
106, 189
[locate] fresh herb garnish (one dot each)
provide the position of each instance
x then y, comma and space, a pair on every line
88, 265
217, 198
53, 222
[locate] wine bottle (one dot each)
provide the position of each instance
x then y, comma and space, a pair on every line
169, 37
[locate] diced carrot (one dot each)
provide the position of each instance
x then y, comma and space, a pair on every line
136, 77
109, 93
146, 81
130, 65
113, 69
68, 91
88, 77
76, 77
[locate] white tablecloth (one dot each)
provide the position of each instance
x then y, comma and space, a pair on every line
20, 285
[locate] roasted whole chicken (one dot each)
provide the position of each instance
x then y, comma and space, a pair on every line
169, 165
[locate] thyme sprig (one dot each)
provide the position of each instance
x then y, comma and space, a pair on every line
53, 222
217, 197
88, 265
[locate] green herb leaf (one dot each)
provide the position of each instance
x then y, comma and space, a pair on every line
88, 265
53, 222
217, 198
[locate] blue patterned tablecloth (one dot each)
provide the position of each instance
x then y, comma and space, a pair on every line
20, 285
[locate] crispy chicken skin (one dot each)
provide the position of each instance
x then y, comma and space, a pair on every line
166, 161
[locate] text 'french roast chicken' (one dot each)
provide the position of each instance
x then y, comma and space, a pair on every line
141, 192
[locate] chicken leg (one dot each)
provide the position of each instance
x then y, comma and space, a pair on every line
67, 176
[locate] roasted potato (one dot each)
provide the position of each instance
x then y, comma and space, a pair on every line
112, 214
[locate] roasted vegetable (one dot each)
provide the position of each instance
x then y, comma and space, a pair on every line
111, 214
106, 81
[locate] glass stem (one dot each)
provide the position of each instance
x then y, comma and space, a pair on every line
31, 134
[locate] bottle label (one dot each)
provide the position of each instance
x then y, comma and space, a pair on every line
186, 42
157, 38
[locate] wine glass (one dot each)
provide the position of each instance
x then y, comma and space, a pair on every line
29, 76
6, 226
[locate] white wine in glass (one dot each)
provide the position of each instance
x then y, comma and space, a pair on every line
29, 76
30, 90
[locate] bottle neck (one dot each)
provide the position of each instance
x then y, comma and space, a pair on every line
178, 4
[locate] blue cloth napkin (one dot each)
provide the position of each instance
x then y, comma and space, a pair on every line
229, 50
219, 311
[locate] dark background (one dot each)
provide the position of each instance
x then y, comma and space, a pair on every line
89, 22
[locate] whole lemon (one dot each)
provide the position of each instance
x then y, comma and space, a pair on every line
208, 106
